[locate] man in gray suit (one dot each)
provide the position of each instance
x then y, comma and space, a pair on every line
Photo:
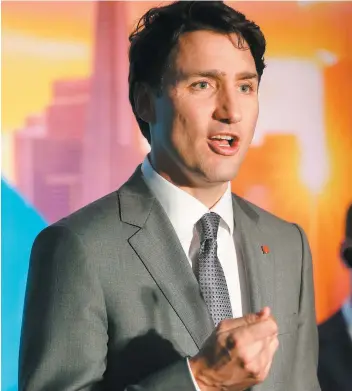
172, 282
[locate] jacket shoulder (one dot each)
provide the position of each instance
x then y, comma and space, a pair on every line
88, 220
263, 216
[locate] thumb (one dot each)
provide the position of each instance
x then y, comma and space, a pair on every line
246, 320
263, 314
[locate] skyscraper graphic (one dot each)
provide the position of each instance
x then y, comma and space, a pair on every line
86, 143
25, 141
48, 151
112, 145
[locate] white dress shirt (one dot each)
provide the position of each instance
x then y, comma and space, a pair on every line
184, 211
347, 314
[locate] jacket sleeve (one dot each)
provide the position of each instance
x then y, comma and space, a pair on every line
64, 339
304, 374
64, 328
176, 377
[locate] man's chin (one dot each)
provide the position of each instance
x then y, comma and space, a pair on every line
218, 175
225, 168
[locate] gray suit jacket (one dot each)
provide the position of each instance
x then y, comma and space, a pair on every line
112, 302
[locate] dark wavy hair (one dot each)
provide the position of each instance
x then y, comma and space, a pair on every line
159, 29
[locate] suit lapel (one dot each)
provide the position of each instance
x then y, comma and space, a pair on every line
156, 244
258, 266
158, 247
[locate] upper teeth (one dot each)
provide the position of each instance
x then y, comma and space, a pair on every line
229, 138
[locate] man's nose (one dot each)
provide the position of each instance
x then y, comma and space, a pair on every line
228, 108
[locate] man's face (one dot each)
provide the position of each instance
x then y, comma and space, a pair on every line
206, 115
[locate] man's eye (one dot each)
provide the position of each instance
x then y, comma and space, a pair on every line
201, 85
246, 88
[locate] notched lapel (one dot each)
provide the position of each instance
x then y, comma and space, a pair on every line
258, 256
158, 247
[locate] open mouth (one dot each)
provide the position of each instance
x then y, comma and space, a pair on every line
225, 141
224, 144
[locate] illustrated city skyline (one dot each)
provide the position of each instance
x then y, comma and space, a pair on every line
86, 143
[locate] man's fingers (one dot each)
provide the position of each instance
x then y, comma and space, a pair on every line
264, 313
250, 353
248, 334
257, 359
229, 324
273, 345
264, 349
267, 357
241, 348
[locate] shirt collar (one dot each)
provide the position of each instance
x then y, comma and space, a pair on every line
182, 208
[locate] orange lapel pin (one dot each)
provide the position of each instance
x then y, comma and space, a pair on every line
265, 249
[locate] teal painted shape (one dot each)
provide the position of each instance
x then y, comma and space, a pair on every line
20, 224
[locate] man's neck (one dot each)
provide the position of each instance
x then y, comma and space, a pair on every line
208, 194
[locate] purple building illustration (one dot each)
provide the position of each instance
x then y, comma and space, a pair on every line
112, 145
86, 143
48, 151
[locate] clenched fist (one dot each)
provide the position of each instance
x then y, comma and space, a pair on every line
238, 354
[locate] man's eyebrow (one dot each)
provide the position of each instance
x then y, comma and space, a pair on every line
247, 76
208, 73
214, 73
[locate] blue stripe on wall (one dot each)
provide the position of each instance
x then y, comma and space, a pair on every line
20, 224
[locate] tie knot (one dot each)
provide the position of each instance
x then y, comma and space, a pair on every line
209, 225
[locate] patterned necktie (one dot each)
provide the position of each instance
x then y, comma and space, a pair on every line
209, 272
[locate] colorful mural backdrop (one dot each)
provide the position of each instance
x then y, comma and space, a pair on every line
69, 136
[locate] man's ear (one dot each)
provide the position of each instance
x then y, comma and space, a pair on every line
144, 102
